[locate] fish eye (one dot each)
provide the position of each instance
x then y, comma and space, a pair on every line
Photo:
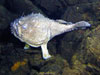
20, 22
16, 24
24, 26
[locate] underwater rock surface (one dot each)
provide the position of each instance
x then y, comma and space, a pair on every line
20, 62
92, 42
5, 18
21, 7
75, 53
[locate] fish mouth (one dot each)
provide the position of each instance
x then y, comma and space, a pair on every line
88, 24
14, 28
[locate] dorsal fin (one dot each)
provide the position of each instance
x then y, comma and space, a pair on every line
61, 21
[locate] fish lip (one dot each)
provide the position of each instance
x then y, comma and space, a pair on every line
89, 25
14, 27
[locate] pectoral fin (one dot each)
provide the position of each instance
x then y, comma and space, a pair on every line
26, 46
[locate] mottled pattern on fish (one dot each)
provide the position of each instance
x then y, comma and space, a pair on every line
36, 30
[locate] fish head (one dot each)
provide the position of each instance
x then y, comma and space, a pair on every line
16, 28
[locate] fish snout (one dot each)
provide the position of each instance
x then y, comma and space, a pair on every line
83, 24
15, 28
87, 24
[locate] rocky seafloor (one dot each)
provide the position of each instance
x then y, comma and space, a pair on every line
74, 53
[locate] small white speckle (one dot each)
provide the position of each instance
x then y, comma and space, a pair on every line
33, 21
20, 22
77, 8
30, 30
16, 24
25, 26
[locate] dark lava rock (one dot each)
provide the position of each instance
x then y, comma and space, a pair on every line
93, 0
2, 2
69, 43
75, 2
91, 43
22, 7
72, 2
72, 14
85, 11
52, 8
86, 60
54, 66
5, 18
33, 72
77, 68
17, 61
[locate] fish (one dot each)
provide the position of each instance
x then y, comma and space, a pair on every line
37, 30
